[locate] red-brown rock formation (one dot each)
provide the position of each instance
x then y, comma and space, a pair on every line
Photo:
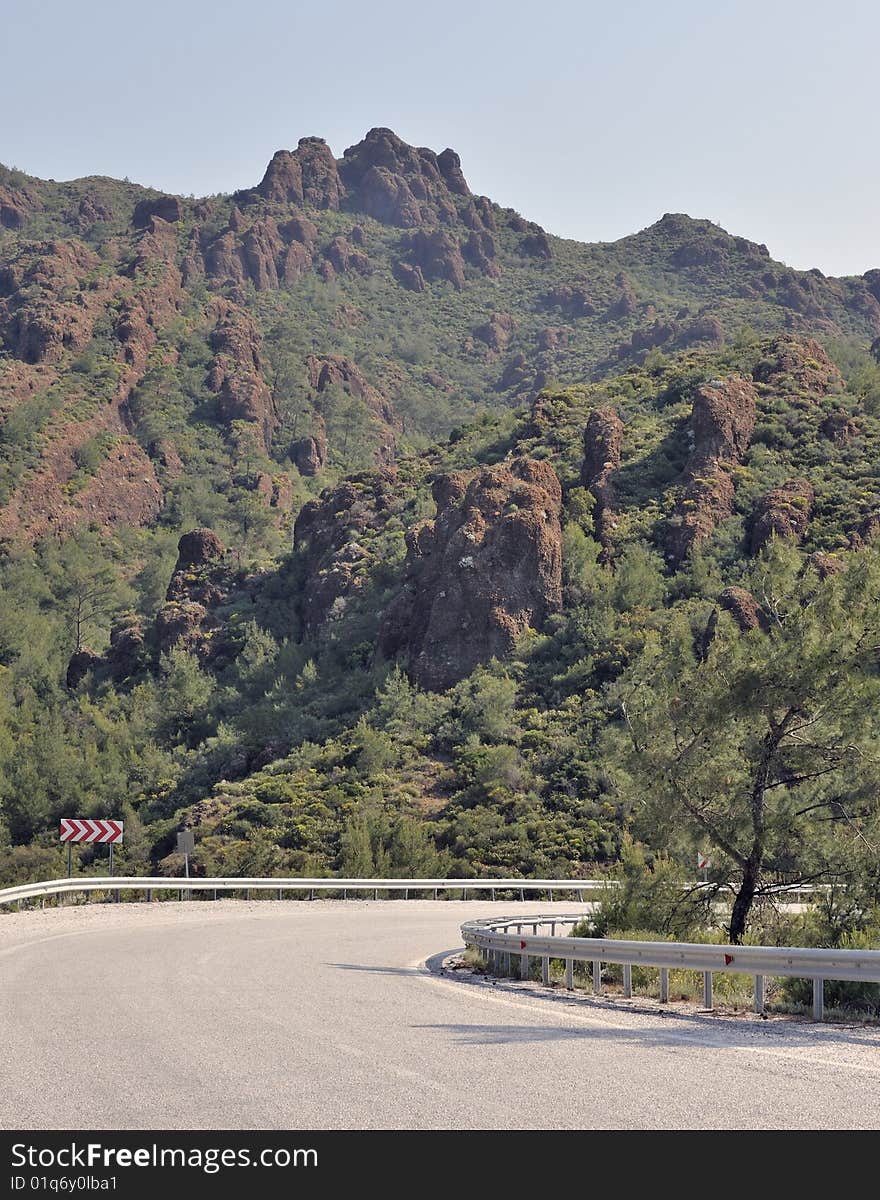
328, 540
784, 512
236, 373
602, 441
487, 567
722, 423
801, 362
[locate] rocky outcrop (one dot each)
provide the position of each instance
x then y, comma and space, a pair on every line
799, 363
485, 569
602, 441
839, 428
784, 512
722, 423
536, 243
283, 182
91, 210
179, 625
329, 370
151, 300
409, 276
200, 581
826, 565
496, 331
481, 252
553, 337
126, 651
624, 303
46, 307
17, 205
235, 375
744, 609
328, 539
438, 255
673, 335
265, 253
198, 548
400, 184
450, 168
167, 208
80, 664
309, 454
344, 258
306, 176
575, 300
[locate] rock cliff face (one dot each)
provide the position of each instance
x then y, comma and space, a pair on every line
722, 423
46, 307
400, 184
799, 362
236, 373
328, 539
477, 576
744, 609
306, 176
437, 255
602, 440
330, 370
200, 580
309, 453
784, 512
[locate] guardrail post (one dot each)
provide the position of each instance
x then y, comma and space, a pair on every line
707, 989
759, 993
597, 977
523, 965
179, 895
818, 999
545, 971
521, 894
493, 893
215, 893
627, 980
569, 974
664, 985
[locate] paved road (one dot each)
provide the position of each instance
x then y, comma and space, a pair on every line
323, 1015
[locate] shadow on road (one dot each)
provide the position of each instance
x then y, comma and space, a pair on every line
374, 970
701, 1031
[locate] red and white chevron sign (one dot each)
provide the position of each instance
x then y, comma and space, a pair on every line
75, 830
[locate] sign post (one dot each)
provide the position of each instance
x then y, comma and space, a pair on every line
105, 832
704, 862
186, 843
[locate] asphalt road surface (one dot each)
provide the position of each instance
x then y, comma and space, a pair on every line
323, 1015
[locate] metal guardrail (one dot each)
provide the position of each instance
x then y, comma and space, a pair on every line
89, 883
163, 883
499, 945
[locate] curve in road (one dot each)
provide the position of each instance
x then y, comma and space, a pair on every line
324, 1015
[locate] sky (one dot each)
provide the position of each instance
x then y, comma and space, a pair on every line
591, 118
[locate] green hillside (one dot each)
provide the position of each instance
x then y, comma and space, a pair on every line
363, 527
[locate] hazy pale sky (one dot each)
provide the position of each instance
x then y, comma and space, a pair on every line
591, 118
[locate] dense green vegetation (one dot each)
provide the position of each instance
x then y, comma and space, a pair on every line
618, 737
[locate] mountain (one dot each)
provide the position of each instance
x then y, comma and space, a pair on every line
331, 509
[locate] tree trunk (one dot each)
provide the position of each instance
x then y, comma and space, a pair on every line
742, 905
